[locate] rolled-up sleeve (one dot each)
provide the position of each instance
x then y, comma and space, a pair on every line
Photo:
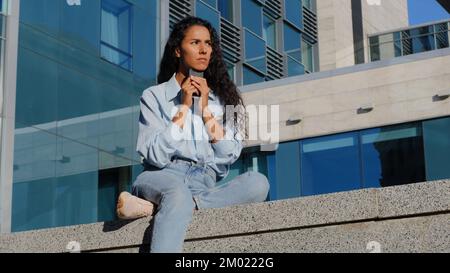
228, 150
157, 142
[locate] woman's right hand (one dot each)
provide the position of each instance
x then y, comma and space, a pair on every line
187, 90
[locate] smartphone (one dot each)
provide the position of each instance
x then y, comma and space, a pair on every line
195, 73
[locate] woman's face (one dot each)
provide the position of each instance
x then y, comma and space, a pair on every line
196, 48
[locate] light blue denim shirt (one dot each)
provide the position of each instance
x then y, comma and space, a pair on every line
160, 139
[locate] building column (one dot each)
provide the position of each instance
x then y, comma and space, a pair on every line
7, 118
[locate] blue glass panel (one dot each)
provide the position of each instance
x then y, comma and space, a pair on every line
436, 137
307, 56
392, 155
42, 15
231, 70
255, 51
251, 76
79, 25
116, 31
269, 32
294, 67
116, 56
145, 52
78, 94
252, 16
34, 155
272, 176
208, 13
76, 199
287, 162
31, 206
36, 94
330, 164
111, 183
292, 42
226, 9
55, 182
81, 101
294, 12
310, 4
420, 31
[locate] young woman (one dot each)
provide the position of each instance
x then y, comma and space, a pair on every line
187, 140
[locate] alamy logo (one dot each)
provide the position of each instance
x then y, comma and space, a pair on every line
374, 2
73, 247
73, 2
373, 247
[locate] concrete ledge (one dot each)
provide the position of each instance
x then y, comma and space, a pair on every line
396, 217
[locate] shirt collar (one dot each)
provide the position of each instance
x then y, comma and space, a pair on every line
173, 88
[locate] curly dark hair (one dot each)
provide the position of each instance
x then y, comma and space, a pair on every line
216, 74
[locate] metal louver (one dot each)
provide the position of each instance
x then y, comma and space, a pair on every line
273, 8
310, 25
178, 9
274, 64
230, 41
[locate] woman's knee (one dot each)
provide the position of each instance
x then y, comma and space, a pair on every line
259, 185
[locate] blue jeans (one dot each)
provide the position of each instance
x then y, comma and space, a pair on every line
181, 187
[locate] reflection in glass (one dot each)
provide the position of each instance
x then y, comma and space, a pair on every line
251, 76
393, 155
436, 138
307, 56
255, 51
208, 13
55, 181
292, 42
231, 71
252, 16
294, 12
330, 164
284, 169
442, 35
310, 4
76, 114
110, 184
294, 67
116, 32
269, 32
226, 9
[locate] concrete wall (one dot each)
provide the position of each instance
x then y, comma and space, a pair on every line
400, 90
409, 218
335, 32
335, 27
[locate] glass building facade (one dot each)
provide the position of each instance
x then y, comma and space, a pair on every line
79, 79
409, 41
82, 67
378, 157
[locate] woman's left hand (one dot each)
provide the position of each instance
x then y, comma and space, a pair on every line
202, 85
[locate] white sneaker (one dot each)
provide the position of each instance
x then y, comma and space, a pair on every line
132, 207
